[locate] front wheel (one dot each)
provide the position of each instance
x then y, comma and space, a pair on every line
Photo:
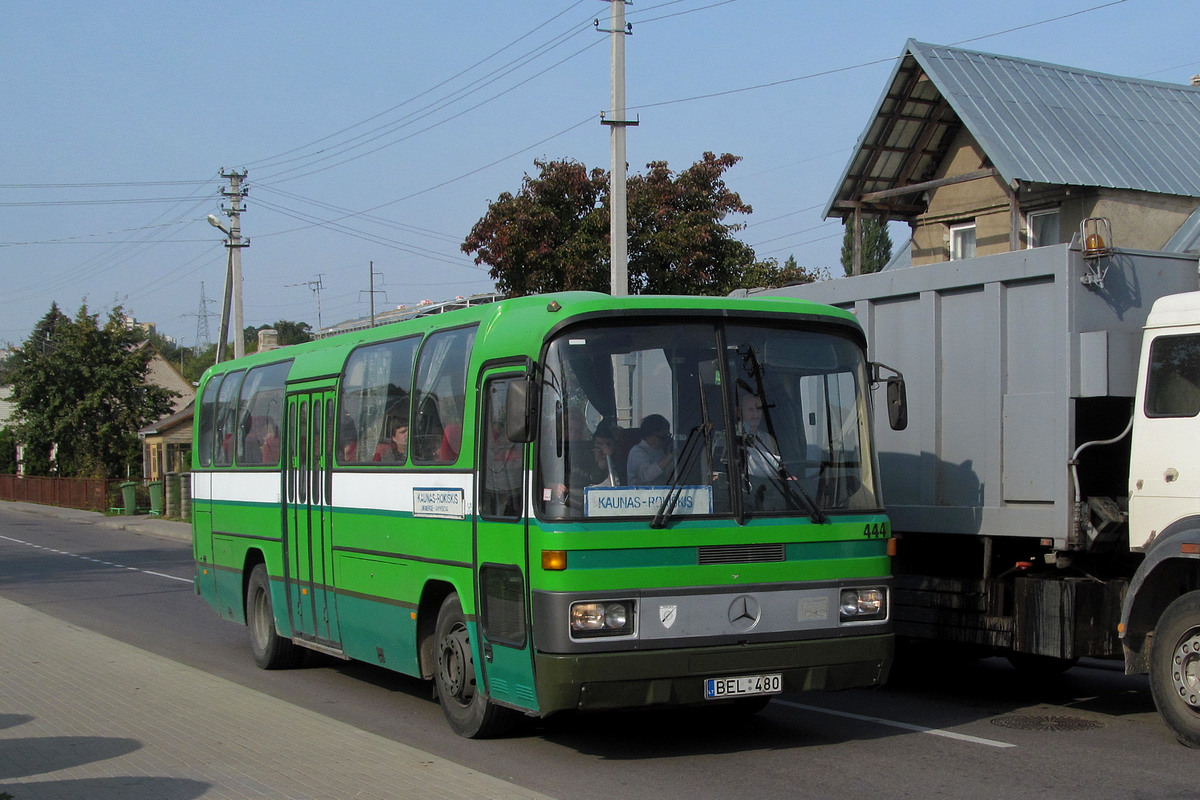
1175, 668
271, 651
464, 702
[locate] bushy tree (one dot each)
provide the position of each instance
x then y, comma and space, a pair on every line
876, 246
553, 234
8, 451
80, 395
769, 275
549, 236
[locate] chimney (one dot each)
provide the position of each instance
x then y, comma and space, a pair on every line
268, 339
1196, 80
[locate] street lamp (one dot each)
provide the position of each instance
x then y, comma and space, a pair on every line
233, 288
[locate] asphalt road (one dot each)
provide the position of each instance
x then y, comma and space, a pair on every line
940, 729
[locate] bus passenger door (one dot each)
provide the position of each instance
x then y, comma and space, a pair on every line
308, 552
502, 607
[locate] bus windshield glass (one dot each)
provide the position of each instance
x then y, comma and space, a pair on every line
698, 419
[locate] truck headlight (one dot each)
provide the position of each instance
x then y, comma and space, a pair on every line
863, 605
604, 618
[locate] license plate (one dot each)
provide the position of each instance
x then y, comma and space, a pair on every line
742, 686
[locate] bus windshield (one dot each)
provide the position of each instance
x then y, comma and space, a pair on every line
698, 419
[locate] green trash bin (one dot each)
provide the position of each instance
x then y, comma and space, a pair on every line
129, 496
156, 497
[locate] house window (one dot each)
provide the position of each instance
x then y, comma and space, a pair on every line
962, 241
1043, 228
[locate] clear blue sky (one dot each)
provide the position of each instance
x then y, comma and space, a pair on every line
380, 131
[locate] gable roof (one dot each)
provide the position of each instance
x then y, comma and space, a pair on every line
1035, 122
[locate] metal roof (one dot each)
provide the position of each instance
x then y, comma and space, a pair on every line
1036, 122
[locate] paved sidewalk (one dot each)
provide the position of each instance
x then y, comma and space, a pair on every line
85, 717
137, 523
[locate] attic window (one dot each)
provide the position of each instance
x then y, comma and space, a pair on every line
962, 241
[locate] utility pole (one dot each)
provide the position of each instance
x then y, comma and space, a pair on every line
316, 286
233, 287
618, 229
373, 291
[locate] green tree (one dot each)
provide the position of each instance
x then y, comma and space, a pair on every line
553, 234
678, 240
80, 395
876, 246
8, 451
769, 275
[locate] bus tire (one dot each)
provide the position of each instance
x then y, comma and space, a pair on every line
1175, 668
464, 703
270, 650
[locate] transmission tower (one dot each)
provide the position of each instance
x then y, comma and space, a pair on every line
202, 315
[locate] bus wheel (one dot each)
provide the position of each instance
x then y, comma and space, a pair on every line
1175, 668
271, 651
464, 703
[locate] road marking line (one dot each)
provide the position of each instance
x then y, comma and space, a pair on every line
97, 561
161, 575
962, 737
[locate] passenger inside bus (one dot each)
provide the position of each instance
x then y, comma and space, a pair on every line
347, 440
270, 443
395, 449
601, 470
762, 453
652, 460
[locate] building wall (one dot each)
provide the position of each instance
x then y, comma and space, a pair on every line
6, 405
1140, 220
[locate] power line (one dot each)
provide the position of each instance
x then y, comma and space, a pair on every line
434, 106
120, 184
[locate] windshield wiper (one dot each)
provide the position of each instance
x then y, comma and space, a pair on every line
784, 481
675, 490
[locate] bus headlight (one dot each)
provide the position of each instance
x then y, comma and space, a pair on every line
863, 605
604, 618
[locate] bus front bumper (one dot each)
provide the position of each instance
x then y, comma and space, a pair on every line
677, 677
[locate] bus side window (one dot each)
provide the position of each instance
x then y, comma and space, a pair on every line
261, 414
208, 421
374, 401
440, 392
227, 419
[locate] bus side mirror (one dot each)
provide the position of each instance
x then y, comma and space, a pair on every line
897, 398
520, 411
897, 403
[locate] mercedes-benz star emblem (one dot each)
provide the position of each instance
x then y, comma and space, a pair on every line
744, 613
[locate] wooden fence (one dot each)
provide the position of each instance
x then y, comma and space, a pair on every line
89, 494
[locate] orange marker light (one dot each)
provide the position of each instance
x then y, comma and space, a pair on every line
554, 559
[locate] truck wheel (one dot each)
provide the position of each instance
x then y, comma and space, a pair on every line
464, 703
1175, 668
271, 651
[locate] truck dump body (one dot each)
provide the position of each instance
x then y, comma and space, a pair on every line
1001, 356
1011, 363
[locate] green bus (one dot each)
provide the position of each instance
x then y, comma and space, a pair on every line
568, 501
